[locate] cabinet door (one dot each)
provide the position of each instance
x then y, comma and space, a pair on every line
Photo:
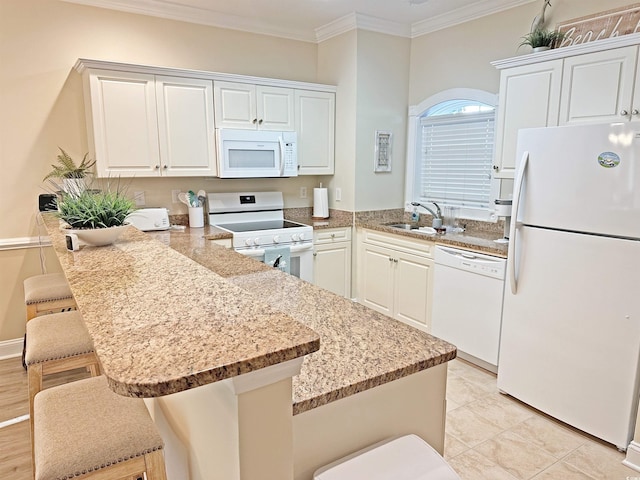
332, 268
185, 125
275, 108
529, 97
598, 87
376, 279
413, 286
123, 129
315, 120
235, 105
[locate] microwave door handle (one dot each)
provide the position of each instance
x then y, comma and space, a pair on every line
281, 142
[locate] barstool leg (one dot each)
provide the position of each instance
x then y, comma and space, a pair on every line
34, 377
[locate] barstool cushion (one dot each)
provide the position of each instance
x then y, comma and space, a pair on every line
405, 458
83, 426
46, 288
58, 335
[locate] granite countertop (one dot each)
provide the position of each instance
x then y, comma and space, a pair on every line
162, 323
479, 236
359, 348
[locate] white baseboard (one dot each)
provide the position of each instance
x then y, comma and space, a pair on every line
633, 456
10, 348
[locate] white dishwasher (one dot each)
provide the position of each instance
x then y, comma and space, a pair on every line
467, 303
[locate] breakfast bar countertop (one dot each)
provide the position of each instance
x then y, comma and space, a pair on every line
162, 323
359, 348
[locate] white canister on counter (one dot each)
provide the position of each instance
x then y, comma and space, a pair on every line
196, 217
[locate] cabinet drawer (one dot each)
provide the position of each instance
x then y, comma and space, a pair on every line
399, 243
332, 235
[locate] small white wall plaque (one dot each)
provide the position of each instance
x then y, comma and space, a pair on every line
382, 161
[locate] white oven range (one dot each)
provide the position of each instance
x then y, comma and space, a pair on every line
256, 221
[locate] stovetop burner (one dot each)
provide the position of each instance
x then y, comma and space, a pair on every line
256, 226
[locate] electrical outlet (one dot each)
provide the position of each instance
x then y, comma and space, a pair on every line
174, 196
303, 192
138, 197
338, 194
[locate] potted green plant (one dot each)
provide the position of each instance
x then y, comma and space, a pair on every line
541, 39
97, 217
72, 174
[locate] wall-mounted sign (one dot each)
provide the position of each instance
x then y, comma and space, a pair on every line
382, 152
608, 24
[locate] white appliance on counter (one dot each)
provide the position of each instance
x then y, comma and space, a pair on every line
256, 221
570, 341
256, 153
467, 303
149, 219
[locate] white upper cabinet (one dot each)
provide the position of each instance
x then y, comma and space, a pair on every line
123, 132
529, 97
246, 106
147, 126
185, 125
599, 87
315, 124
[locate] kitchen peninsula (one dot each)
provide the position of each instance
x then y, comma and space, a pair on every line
166, 320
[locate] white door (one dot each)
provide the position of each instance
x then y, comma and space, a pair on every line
235, 105
275, 108
529, 97
566, 187
186, 128
315, 119
412, 287
332, 268
598, 87
125, 129
571, 334
376, 276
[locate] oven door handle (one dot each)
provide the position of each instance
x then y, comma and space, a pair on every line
258, 252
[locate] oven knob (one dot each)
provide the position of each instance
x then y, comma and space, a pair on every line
276, 239
247, 242
256, 241
301, 236
295, 237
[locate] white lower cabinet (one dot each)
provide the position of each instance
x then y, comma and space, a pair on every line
332, 260
395, 276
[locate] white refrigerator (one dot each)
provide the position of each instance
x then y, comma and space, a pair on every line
570, 338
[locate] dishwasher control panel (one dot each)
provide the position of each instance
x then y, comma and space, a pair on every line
470, 261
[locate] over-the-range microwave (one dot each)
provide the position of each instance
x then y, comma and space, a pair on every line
256, 153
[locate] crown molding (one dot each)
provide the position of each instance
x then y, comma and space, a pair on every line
352, 21
355, 21
462, 15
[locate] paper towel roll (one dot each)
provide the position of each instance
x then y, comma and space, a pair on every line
320, 203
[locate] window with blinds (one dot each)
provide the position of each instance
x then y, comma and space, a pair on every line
456, 154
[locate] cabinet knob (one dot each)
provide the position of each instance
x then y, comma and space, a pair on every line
315, 254
254, 121
635, 111
165, 166
157, 167
496, 168
624, 113
395, 260
333, 235
390, 259
260, 122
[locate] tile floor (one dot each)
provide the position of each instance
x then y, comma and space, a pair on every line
490, 436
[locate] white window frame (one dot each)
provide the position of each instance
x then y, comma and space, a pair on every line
413, 149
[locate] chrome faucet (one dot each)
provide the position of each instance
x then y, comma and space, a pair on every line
436, 214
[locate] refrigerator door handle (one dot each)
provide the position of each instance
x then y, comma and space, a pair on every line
514, 223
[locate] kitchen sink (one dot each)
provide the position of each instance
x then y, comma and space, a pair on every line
413, 228
402, 226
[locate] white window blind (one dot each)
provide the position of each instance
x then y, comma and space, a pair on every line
456, 159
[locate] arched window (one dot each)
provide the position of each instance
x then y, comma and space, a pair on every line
451, 138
